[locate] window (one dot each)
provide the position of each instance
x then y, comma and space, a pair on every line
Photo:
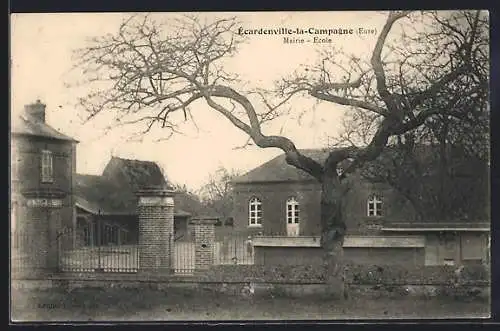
340, 171
374, 205
255, 212
292, 211
47, 169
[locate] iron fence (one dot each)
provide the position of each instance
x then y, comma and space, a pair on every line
88, 249
183, 255
79, 253
234, 249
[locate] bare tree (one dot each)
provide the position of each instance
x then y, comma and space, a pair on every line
426, 164
217, 193
187, 200
152, 71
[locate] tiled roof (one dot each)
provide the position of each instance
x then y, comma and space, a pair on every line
114, 191
22, 125
277, 170
137, 174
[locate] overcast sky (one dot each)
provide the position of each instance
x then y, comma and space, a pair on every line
41, 50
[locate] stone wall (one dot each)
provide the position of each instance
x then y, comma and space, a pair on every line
354, 274
407, 257
295, 282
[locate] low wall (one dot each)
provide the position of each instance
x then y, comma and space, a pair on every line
261, 288
354, 274
409, 257
289, 281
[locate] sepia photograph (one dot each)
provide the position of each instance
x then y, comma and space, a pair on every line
250, 166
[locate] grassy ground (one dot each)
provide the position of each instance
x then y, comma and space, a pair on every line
179, 304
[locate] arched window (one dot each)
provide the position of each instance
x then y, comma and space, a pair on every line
292, 211
374, 205
255, 212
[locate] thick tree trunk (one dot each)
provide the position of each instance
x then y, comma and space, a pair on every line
443, 175
332, 238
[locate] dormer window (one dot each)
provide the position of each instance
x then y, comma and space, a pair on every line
374, 206
47, 171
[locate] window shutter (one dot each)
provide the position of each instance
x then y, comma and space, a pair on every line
46, 166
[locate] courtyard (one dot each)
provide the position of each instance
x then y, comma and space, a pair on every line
119, 304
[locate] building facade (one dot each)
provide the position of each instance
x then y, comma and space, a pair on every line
43, 162
280, 206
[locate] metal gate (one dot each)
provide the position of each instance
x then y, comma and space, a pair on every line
96, 248
183, 255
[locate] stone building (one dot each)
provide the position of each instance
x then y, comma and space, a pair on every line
43, 163
280, 206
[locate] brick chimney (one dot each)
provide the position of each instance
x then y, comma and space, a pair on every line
36, 111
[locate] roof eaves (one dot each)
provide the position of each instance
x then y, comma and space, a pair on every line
257, 181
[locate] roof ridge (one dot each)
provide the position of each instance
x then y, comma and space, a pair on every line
136, 160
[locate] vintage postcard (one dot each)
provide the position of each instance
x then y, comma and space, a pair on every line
250, 166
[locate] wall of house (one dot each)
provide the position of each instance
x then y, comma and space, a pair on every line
273, 197
460, 248
407, 257
308, 194
395, 208
28, 150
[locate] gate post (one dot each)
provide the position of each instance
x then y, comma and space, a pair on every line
41, 226
204, 241
155, 210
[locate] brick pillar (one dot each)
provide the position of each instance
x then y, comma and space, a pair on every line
204, 240
156, 229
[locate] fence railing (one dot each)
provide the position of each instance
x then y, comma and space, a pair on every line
234, 250
123, 258
76, 253
72, 251
183, 255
